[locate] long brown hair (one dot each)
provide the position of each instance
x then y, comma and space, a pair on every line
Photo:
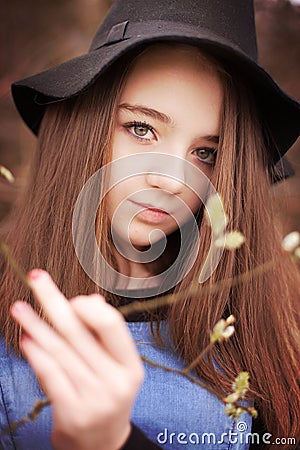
74, 141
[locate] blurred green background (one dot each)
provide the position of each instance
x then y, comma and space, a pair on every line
35, 35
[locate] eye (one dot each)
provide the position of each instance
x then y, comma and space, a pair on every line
206, 155
141, 130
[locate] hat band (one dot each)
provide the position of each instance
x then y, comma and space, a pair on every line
160, 29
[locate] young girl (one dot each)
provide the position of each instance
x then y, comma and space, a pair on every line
168, 103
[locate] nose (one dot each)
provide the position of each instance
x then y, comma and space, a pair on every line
170, 178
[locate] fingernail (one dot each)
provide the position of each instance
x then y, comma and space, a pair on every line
35, 274
24, 337
19, 307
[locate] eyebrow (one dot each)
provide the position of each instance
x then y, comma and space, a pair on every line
211, 138
164, 118
146, 111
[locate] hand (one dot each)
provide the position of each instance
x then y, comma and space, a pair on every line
86, 362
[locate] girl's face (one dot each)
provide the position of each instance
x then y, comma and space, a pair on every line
171, 104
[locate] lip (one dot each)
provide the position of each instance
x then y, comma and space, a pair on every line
150, 213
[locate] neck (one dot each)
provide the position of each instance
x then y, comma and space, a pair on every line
139, 273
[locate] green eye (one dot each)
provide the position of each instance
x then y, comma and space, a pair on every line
204, 153
140, 130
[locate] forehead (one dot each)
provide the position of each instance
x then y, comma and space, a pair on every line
172, 62
177, 58
174, 79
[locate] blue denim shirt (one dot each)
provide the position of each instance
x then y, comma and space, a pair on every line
172, 411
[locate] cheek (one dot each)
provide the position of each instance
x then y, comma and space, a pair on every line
123, 144
196, 205
118, 143
120, 193
191, 199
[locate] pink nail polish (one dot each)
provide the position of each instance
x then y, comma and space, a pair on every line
35, 274
24, 338
18, 307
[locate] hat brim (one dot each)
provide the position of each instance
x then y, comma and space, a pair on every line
279, 112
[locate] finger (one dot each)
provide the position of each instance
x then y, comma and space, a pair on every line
78, 372
110, 327
54, 303
67, 323
55, 384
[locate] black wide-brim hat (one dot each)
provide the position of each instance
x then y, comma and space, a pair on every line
225, 29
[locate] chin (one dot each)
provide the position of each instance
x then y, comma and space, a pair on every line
141, 244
